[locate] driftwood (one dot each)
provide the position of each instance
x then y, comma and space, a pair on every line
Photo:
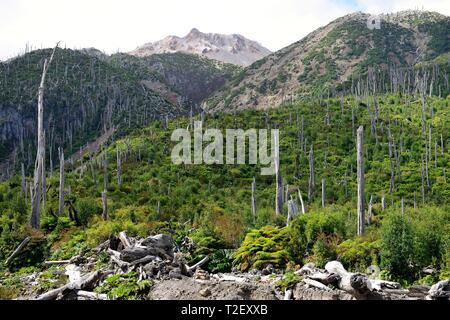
325, 278
354, 283
440, 290
123, 237
18, 250
198, 264
316, 284
74, 259
288, 294
92, 295
86, 283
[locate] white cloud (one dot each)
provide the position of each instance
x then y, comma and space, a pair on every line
112, 25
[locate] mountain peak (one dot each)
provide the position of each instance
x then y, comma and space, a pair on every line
234, 49
194, 32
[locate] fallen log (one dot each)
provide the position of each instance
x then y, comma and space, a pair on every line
92, 295
440, 290
120, 263
123, 237
86, 283
18, 250
316, 284
144, 260
198, 264
382, 284
74, 259
354, 283
288, 294
325, 278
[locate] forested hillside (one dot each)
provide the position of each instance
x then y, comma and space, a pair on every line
88, 93
407, 193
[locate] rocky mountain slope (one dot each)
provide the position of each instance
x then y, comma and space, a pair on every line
178, 76
338, 53
234, 48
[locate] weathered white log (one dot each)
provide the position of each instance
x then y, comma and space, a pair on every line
226, 277
325, 278
92, 295
18, 250
380, 285
114, 253
440, 290
86, 282
123, 237
355, 283
316, 284
144, 260
288, 294
198, 264
120, 263
308, 268
74, 259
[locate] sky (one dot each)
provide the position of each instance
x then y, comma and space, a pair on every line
118, 25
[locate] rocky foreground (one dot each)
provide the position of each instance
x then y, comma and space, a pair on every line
158, 265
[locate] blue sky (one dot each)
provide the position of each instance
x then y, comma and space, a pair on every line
118, 25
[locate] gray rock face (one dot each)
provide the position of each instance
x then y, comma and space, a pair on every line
234, 49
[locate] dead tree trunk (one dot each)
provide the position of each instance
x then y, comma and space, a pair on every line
292, 210
39, 165
369, 211
24, 188
360, 172
105, 206
61, 181
279, 181
254, 199
105, 171
301, 201
312, 179
323, 193
119, 170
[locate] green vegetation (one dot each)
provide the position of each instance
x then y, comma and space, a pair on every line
125, 287
211, 203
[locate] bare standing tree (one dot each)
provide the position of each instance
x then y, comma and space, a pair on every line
61, 181
360, 173
24, 188
105, 205
254, 199
301, 201
39, 164
312, 178
323, 193
119, 169
279, 181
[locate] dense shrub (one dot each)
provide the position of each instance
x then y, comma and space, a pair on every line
305, 230
358, 254
397, 246
263, 247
